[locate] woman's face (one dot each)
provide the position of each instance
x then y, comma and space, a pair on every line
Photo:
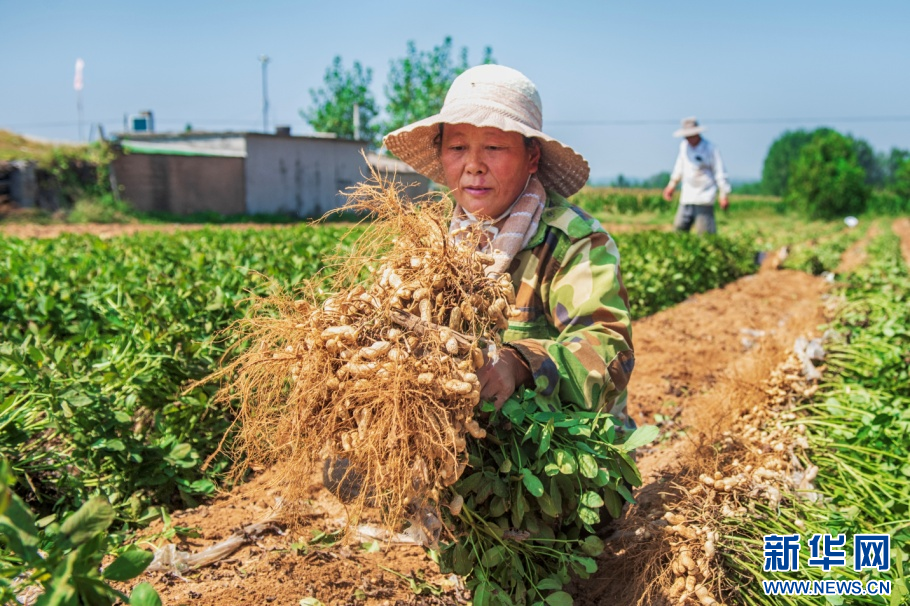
486, 168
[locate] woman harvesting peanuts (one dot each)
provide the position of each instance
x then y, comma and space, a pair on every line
570, 337
523, 517
465, 354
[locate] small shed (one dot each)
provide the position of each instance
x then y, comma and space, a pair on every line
247, 173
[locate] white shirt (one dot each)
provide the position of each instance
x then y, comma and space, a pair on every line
701, 171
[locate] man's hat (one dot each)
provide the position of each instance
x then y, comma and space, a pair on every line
689, 128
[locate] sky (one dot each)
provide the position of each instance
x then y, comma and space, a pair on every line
615, 77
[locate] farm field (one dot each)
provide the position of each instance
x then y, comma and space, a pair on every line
107, 326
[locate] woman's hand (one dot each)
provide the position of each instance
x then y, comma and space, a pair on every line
501, 378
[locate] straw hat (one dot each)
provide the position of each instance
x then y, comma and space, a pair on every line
498, 97
689, 128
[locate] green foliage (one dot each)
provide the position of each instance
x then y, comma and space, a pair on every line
64, 557
621, 201
889, 203
817, 256
860, 420
333, 104
749, 188
867, 392
102, 209
858, 429
657, 181
78, 175
892, 164
633, 201
878, 168
901, 181
78, 172
418, 82
16, 147
534, 498
100, 338
98, 342
662, 269
781, 156
873, 164
826, 182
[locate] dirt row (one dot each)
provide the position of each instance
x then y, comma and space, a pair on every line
731, 340
114, 230
901, 227
856, 254
693, 363
683, 354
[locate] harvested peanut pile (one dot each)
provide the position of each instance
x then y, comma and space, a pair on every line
759, 460
379, 374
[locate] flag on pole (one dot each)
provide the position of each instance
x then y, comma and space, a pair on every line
77, 81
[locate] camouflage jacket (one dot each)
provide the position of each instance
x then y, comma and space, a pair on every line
573, 326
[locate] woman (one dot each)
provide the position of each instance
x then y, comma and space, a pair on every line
571, 338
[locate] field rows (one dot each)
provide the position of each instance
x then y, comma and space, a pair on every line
102, 336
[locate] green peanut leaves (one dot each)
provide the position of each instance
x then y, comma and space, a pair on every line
545, 477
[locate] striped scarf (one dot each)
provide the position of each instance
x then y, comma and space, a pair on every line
521, 220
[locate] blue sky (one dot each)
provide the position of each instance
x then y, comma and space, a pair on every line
615, 77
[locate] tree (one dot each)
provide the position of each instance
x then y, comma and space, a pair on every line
826, 180
783, 152
893, 163
621, 181
658, 181
748, 188
333, 104
419, 81
900, 182
872, 163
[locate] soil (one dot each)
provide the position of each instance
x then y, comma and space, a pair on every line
856, 254
702, 365
113, 230
682, 354
685, 358
901, 227
282, 566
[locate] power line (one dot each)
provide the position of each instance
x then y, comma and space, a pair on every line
623, 122
157, 120
674, 121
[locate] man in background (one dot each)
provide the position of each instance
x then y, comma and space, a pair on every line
701, 171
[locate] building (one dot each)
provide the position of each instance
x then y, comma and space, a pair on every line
246, 173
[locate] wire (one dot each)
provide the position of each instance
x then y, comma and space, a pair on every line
570, 123
665, 121
120, 120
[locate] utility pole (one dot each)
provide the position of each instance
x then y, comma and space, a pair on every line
264, 60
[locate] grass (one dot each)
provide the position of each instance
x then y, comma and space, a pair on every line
17, 147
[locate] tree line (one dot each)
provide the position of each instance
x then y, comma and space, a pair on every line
822, 172
416, 87
828, 174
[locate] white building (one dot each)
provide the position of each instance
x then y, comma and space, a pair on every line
246, 173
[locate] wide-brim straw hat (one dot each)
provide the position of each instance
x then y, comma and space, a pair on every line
498, 97
690, 127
